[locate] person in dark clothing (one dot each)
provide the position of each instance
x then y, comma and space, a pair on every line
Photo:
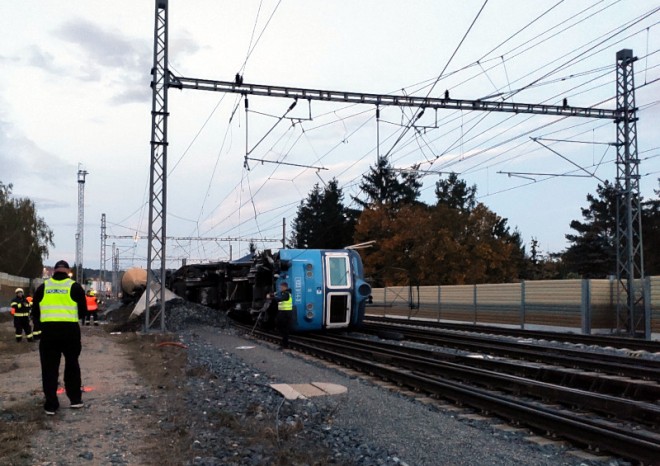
20, 309
58, 305
284, 301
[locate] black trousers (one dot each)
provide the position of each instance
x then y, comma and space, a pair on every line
89, 316
59, 339
283, 321
22, 324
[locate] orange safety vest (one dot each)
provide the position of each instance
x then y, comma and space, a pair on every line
92, 305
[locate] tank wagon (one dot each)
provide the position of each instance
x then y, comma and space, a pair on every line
327, 286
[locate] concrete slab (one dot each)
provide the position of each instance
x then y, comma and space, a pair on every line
330, 388
307, 390
287, 391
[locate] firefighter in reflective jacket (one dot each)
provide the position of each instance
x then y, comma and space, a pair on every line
20, 309
58, 305
92, 308
284, 301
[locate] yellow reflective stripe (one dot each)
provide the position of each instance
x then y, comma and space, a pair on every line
64, 308
59, 317
22, 314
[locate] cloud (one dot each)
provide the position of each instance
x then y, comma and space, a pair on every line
106, 47
22, 158
183, 45
42, 59
135, 92
125, 60
5, 59
110, 55
45, 203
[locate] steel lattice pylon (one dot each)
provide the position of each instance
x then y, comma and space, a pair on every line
115, 271
80, 230
158, 173
630, 257
102, 257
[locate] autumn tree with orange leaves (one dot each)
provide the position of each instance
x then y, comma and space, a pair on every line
455, 241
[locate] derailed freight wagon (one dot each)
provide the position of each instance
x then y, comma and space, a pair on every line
328, 287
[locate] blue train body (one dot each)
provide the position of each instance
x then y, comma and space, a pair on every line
328, 287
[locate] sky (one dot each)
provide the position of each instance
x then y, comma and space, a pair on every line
74, 92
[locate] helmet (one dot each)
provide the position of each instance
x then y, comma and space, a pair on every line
18, 290
91, 293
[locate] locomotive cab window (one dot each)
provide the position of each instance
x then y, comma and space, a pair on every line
338, 271
338, 309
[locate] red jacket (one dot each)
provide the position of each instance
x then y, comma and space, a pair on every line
92, 305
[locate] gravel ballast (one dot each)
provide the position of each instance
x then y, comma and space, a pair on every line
367, 425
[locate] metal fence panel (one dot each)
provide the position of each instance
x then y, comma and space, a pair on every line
580, 304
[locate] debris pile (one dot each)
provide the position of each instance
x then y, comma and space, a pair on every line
179, 315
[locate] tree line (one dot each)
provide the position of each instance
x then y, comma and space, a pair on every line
456, 239
24, 236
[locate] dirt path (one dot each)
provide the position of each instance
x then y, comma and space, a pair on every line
119, 423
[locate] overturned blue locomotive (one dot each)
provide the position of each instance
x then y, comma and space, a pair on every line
328, 287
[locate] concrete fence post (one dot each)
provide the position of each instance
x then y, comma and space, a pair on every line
439, 302
585, 306
475, 303
647, 308
384, 300
522, 305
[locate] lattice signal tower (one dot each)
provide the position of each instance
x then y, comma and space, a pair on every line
80, 230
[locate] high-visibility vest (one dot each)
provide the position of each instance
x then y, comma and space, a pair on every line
57, 305
286, 305
92, 305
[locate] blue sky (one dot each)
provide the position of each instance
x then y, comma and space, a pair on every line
75, 89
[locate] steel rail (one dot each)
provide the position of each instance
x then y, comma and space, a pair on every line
593, 381
608, 363
633, 344
623, 409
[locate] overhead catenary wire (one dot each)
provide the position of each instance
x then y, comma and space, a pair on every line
413, 118
415, 138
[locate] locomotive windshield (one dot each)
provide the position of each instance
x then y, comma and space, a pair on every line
338, 271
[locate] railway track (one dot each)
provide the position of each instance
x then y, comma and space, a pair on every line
622, 421
606, 363
632, 344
